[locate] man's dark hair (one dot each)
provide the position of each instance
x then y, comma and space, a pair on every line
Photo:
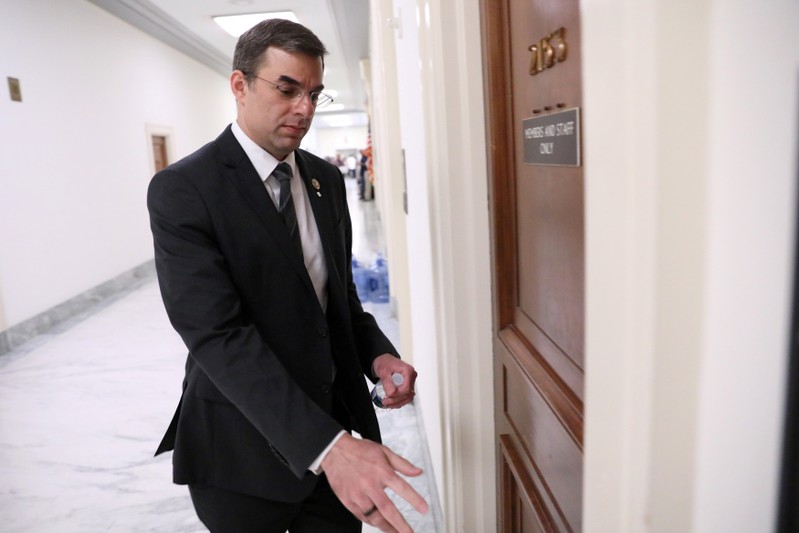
278, 33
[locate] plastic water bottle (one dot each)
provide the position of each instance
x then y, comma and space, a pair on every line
379, 392
378, 284
360, 277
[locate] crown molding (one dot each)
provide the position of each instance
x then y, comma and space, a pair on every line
155, 22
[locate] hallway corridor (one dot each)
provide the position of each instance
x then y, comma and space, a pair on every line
82, 409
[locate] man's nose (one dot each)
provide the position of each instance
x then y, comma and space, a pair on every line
304, 105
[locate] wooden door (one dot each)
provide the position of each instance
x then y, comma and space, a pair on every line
160, 158
532, 65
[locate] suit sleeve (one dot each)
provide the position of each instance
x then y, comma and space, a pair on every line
205, 308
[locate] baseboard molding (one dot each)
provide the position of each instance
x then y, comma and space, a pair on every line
72, 309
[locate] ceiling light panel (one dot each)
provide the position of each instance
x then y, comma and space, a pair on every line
235, 25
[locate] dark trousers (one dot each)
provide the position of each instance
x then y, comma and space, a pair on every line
229, 512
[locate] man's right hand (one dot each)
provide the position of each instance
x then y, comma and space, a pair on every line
359, 471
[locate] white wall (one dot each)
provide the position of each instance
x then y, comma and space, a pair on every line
455, 148
421, 297
75, 160
384, 112
752, 176
690, 211
399, 126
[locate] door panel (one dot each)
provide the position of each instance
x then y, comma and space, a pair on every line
544, 437
538, 245
525, 511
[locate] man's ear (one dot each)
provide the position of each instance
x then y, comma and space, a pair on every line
238, 84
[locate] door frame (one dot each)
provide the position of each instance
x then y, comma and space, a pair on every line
452, 80
157, 130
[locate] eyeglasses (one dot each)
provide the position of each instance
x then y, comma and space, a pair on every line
295, 94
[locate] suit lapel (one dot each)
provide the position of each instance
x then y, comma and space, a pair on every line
238, 169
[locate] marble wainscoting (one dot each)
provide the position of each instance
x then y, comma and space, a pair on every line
82, 410
63, 315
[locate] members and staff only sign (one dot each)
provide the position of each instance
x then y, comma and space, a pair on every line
553, 139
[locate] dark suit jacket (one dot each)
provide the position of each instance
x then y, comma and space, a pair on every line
258, 394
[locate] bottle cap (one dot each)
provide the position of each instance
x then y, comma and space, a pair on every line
397, 378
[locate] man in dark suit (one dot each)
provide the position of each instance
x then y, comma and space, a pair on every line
253, 253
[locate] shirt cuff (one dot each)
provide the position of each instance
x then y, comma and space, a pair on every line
316, 466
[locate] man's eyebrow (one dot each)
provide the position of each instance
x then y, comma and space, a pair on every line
291, 81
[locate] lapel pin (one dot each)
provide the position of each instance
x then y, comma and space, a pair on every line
315, 184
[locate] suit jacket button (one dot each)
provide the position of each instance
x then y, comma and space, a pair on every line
322, 332
326, 389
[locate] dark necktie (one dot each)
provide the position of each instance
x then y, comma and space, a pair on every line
286, 205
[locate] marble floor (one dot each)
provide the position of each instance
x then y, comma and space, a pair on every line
83, 406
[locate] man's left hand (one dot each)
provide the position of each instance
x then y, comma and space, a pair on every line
384, 366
